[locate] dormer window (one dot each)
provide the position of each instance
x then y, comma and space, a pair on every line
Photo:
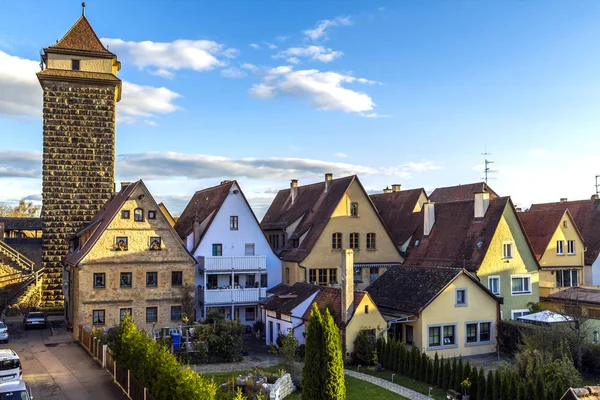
138, 215
75, 65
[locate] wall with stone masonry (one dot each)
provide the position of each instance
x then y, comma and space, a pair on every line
78, 169
282, 388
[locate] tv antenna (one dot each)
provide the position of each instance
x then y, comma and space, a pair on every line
597, 185
487, 170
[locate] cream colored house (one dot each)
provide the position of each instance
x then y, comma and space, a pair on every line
437, 309
308, 226
127, 260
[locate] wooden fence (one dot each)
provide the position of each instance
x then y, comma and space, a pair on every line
103, 355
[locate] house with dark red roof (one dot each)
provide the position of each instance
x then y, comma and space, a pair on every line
287, 308
558, 247
586, 214
460, 192
484, 236
310, 225
127, 260
236, 264
438, 309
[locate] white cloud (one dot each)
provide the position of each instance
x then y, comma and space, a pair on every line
162, 58
316, 53
144, 101
20, 164
270, 45
281, 38
254, 46
421, 166
249, 66
323, 90
539, 152
233, 72
341, 155
322, 28
20, 91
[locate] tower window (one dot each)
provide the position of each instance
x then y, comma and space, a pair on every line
75, 65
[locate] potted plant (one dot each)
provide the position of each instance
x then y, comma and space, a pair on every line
258, 327
466, 385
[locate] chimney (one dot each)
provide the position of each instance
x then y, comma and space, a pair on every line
328, 179
387, 190
294, 189
196, 233
396, 187
563, 200
124, 185
482, 203
595, 197
347, 284
225, 181
429, 218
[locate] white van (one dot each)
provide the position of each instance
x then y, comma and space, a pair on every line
10, 366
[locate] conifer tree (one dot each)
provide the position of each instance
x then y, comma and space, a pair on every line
416, 363
521, 391
458, 374
407, 362
497, 393
474, 378
481, 385
430, 379
436, 369
558, 390
452, 375
539, 387
423, 367
531, 392
511, 392
467, 370
311, 373
332, 362
446, 375
489, 386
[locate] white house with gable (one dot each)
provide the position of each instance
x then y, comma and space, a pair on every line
236, 264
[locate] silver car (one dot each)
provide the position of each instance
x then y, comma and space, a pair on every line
35, 319
3, 332
10, 366
15, 390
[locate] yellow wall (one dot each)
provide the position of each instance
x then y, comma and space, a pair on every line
480, 307
522, 262
138, 259
591, 325
422, 200
323, 256
90, 64
360, 321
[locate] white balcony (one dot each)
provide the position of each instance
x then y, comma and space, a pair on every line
229, 296
246, 263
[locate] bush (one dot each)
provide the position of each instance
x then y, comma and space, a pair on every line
221, 340
591, 359
300, 352
364, 349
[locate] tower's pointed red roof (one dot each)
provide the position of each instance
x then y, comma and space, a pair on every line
81, 36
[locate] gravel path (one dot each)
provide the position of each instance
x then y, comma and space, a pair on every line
392, 387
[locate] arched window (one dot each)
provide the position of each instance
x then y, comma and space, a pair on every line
138, 215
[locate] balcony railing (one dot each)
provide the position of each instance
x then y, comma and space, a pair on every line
245, 263
228, 296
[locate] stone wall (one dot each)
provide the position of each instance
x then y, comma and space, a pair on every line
78, 169
282, 388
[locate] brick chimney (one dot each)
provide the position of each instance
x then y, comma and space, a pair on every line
428, 218
595, 197
294, 189
396, 187
482, 203
387, 190
563, 199
328, 179
124, 185
347, 284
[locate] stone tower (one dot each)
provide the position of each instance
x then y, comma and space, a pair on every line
81, 91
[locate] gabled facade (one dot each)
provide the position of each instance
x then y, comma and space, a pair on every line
236, 264
586, 214
484, 236
558, 246
310, 225
287, 309
437, 309
129, 259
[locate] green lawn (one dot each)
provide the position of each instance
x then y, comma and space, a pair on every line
402, 380
355, 388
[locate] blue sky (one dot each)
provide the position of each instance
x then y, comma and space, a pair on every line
263, 92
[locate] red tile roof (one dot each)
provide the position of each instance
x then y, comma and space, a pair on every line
396, 210
457, 238
81, 37
460, 192
540, 227
586, 214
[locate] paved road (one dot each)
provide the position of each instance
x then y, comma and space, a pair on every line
62, 371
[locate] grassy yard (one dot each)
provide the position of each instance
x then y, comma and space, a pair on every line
402, 380
355, 388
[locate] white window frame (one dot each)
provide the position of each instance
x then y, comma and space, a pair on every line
512, 293
466, 302
513, 312
480, 342
249, 246
560, 247
504, 252
442, 345
489, 287
570, 273
571, 247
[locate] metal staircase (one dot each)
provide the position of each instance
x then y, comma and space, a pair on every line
17, 258
16, 275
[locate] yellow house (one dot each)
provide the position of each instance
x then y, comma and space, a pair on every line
558, 246
438, 309
308, 226
581, 302
129, 259
287, 308
484, 236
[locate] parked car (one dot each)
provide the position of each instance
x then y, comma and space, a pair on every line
3, 332
10, 366
35, 319
15, 390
